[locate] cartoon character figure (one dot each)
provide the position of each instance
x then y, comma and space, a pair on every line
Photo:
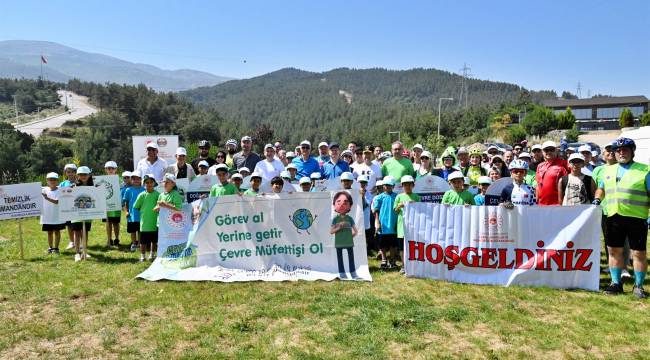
344, 231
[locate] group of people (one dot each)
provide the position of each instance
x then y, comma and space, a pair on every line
540, 175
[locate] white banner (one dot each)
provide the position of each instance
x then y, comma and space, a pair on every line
431, 188
497, 246
20, 200
111, 185
82, 203
201, 185
167, 145
275, 237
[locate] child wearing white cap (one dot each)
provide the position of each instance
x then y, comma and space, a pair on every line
50, 215
132, 214
70, 173
112, 217
457, 195
407, 196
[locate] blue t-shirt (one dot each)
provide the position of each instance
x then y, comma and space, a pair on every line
66, 183
331, 170
122, 191
306, 168
387, 215
130, 195
322, 159
622, 169
479, 199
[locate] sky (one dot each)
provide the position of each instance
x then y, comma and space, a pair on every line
539, 44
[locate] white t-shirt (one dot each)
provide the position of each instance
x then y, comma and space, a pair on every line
372, 171
50, 213
158, 168
269, 169
522, 195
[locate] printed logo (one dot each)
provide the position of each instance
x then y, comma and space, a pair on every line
162, 142
176, 219
108, 186
84, 201
302, 219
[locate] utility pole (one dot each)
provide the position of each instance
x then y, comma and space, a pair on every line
463, 85
15, 106
579, 90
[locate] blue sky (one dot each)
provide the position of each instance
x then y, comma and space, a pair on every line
549, 44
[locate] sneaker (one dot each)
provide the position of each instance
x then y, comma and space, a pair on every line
56, 251
88, 256
133, 247
141, 257
151, 256
70, 246
625, 274
639, 293
614, 289
50, 250
77, 257
116, 242
383, 265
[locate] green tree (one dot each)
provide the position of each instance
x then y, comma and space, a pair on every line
11, 155
47, 154
626, 119
516, 134
539, 121
566, 120
572, 135
645, 119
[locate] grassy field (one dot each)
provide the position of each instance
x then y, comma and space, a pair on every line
52, 307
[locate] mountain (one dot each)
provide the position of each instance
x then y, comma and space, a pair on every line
21, 59
297, 103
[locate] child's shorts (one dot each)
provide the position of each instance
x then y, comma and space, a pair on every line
53, 227
132, 227
387, 241
113, 219
148, 237
77, 226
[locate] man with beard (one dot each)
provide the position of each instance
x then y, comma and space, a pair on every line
231, 150
204, 154
246, 157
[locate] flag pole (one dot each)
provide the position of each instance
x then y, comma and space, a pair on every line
41, 61
20, 239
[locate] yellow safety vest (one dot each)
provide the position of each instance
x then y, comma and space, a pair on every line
628, 196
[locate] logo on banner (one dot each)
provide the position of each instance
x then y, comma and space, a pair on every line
179, 256
162, 142
176, 219
108, 186
302, 219
493, 220
84, 201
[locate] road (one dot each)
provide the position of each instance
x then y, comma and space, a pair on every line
78, 106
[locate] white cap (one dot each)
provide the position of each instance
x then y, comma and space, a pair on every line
110, 164
462, 150
136, 173
203, 163
484, 180
407, 179
237, 176
285, 174
305, 142
347, 176
323, 143
525, 155
456, 175
314, 176
363, 178
417, 146
181, 151
549, 144
269, 146
379, 183
291, 154
150, 176
292, 166
223, 167
152, 145
346, 152
244, 169
493, 147
256, 175
576, 156
304, 180
246, 138
466, 181
536, 147
584, 147
594, 153
497, 156
83, 170
70, 166
427, 154
388, 181
127, 174
52, 175
169, 177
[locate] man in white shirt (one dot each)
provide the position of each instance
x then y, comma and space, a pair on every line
270, 167
152, 164
369, 169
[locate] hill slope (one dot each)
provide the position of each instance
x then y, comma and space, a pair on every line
20, 59
299, 103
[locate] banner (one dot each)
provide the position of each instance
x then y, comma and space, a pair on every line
498, 246
20, 200
167, 145
82, 203
431, 188
275, 237
111, 185
201, 185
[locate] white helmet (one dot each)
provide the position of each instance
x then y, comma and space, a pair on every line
518, 164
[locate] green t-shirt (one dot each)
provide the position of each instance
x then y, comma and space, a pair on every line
251, 192
401, 199
397, 168
173, 198
115, 213
343, 237
598, 175
145, 202
219, 190
451, 197
529, 179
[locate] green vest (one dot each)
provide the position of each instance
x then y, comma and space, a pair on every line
629, 196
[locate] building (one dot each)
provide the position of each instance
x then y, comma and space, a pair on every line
600, 113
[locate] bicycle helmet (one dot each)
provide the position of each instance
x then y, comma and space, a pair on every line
624, 142
518, 164
204, 143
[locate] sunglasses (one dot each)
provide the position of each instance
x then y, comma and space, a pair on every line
424, 158
517, 171
220, 156
305, 147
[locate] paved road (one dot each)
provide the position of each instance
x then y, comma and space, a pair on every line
78, 106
